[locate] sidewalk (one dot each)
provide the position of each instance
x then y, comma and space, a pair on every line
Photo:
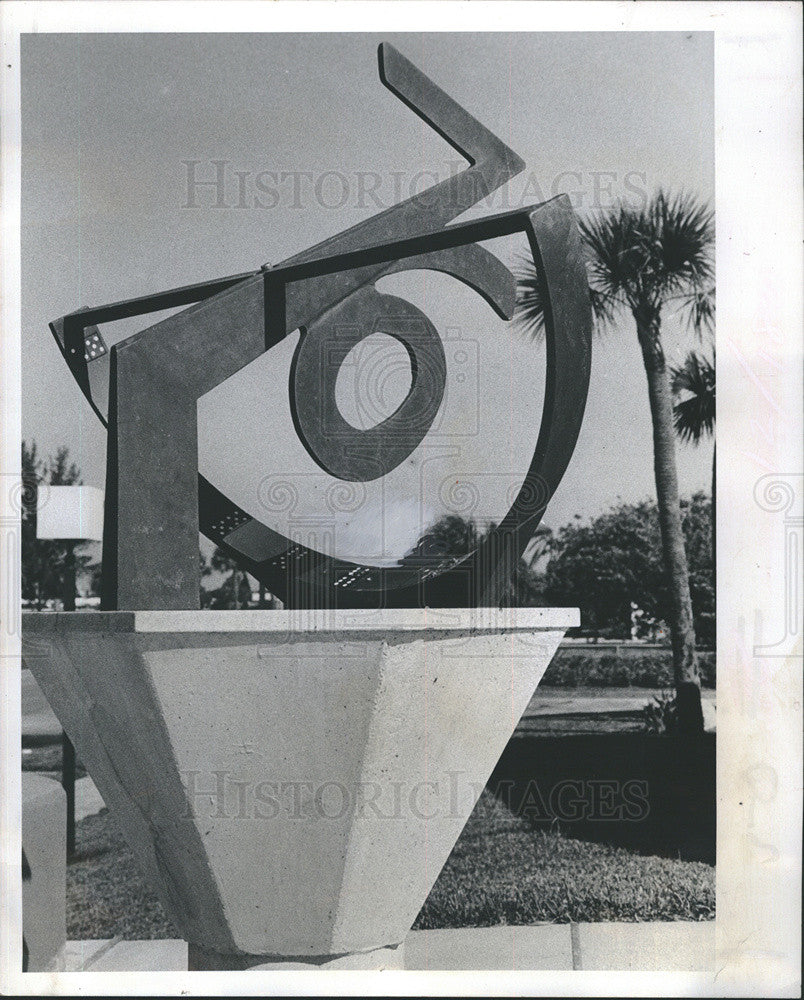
649, 947
550, 705
572, 701
88, 799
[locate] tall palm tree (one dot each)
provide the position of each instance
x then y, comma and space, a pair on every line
644, 261
693, 386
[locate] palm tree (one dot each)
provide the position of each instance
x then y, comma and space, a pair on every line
643, 261
693, 386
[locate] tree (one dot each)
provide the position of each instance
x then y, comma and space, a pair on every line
48, 566
698, 540
204, 570
452, 537
694, 411
606, 565
526, 587
538, 547
446, 541
234, 592
642, 261
614, 562
38, 562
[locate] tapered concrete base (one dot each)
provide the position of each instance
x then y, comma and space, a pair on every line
293, 782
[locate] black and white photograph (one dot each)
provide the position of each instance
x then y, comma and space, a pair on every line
384, 591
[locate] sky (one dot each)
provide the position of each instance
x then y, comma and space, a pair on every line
305, 141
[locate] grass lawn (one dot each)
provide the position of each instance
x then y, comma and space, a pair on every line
106, 894
500, 872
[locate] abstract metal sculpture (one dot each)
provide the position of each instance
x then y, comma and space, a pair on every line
343, 699
156, 500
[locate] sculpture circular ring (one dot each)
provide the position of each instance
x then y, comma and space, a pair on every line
339, 448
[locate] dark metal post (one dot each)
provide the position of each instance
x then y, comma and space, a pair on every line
67, 749
68, 784
68, 581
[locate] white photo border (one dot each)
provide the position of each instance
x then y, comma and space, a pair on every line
759, 213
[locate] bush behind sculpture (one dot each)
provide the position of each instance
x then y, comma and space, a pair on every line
614, 562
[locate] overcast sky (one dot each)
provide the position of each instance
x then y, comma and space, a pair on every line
115, 127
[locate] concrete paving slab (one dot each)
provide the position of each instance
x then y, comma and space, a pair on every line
78, 955
680, 946
165, 955
546, 946
677, 946
552, 709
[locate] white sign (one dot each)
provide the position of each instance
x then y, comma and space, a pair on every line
70, 512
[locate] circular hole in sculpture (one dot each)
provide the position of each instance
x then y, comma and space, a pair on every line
373, 381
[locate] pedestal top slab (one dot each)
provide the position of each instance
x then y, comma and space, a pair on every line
473, 620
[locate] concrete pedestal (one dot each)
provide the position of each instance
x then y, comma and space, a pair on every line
293, 782
44, 873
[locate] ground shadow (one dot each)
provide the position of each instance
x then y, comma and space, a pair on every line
654, 794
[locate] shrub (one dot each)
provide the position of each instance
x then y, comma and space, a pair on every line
661, 714
625, 666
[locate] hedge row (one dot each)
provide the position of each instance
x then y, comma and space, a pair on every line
572, 667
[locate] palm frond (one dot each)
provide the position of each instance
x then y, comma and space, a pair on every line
683, 234
646, 254
639, 258
614, 240
530, 305
698, 309
529, 301
693, 385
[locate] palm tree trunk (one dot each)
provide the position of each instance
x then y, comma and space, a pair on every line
685, 666
714, 519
